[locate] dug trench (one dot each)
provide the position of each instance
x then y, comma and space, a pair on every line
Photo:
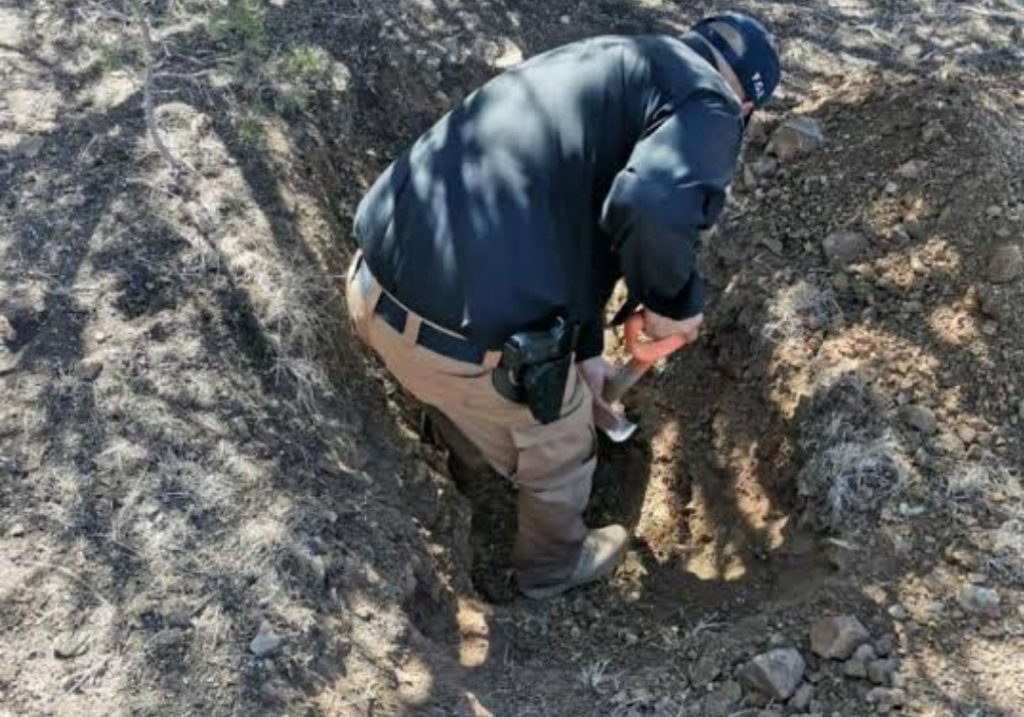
775, 473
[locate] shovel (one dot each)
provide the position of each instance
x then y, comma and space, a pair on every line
644, 355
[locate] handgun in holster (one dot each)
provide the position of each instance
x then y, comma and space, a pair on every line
534, 368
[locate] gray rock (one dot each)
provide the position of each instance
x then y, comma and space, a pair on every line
934, 131
844, 247
70, 645
7, 333
912, 169
796, 136
723, 700
802, 697
881, 671
1005, 264
857, 669
765, 167
898, 612
706, 669
885, 698
776, 673
266, 642
885, 645
864, 653
17, 530
32, 146
89, 369
838, 636
920, 418
979, 600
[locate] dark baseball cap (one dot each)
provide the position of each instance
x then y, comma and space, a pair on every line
748, 48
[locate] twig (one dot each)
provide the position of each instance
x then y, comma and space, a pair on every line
175, 163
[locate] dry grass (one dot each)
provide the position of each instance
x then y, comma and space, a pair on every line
802, 308
988, 490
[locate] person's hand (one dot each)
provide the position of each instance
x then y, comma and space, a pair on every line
596, 372
659, 327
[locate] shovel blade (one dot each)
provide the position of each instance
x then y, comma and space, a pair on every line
616, 427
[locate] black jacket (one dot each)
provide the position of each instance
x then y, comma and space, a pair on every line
600, 159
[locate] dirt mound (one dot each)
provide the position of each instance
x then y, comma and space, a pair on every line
207, 508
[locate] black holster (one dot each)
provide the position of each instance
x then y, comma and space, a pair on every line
534, 368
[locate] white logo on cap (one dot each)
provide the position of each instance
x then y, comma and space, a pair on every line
758, 85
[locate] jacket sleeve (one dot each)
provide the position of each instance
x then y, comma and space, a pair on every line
672, 187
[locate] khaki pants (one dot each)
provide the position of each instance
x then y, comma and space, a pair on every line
551, 465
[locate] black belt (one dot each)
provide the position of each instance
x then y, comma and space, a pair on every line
395, 315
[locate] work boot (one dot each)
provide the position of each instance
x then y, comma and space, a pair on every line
602, 550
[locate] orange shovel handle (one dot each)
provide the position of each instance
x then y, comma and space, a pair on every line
649, 351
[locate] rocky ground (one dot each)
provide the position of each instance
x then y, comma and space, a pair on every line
213, 502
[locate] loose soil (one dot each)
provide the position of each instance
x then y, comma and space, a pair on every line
195, 450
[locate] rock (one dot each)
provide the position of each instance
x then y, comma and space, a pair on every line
857, 669
838, 636
841, 556
706, 669
844, 247
934, 131
473, 707
180, 619
885, 698
765, 167
966, 434
266, 642
881, 671
89, 369
7, 333
920, 418
1005, 264
979, 600
17, 530
891, 188
912, 169
885, 645
915, 230
796, 136
70, 645
802, 697
32, 146
776, 673
723, 700
864, 653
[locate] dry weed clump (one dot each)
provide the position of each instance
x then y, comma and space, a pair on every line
850, 480
853, 465
804, 307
